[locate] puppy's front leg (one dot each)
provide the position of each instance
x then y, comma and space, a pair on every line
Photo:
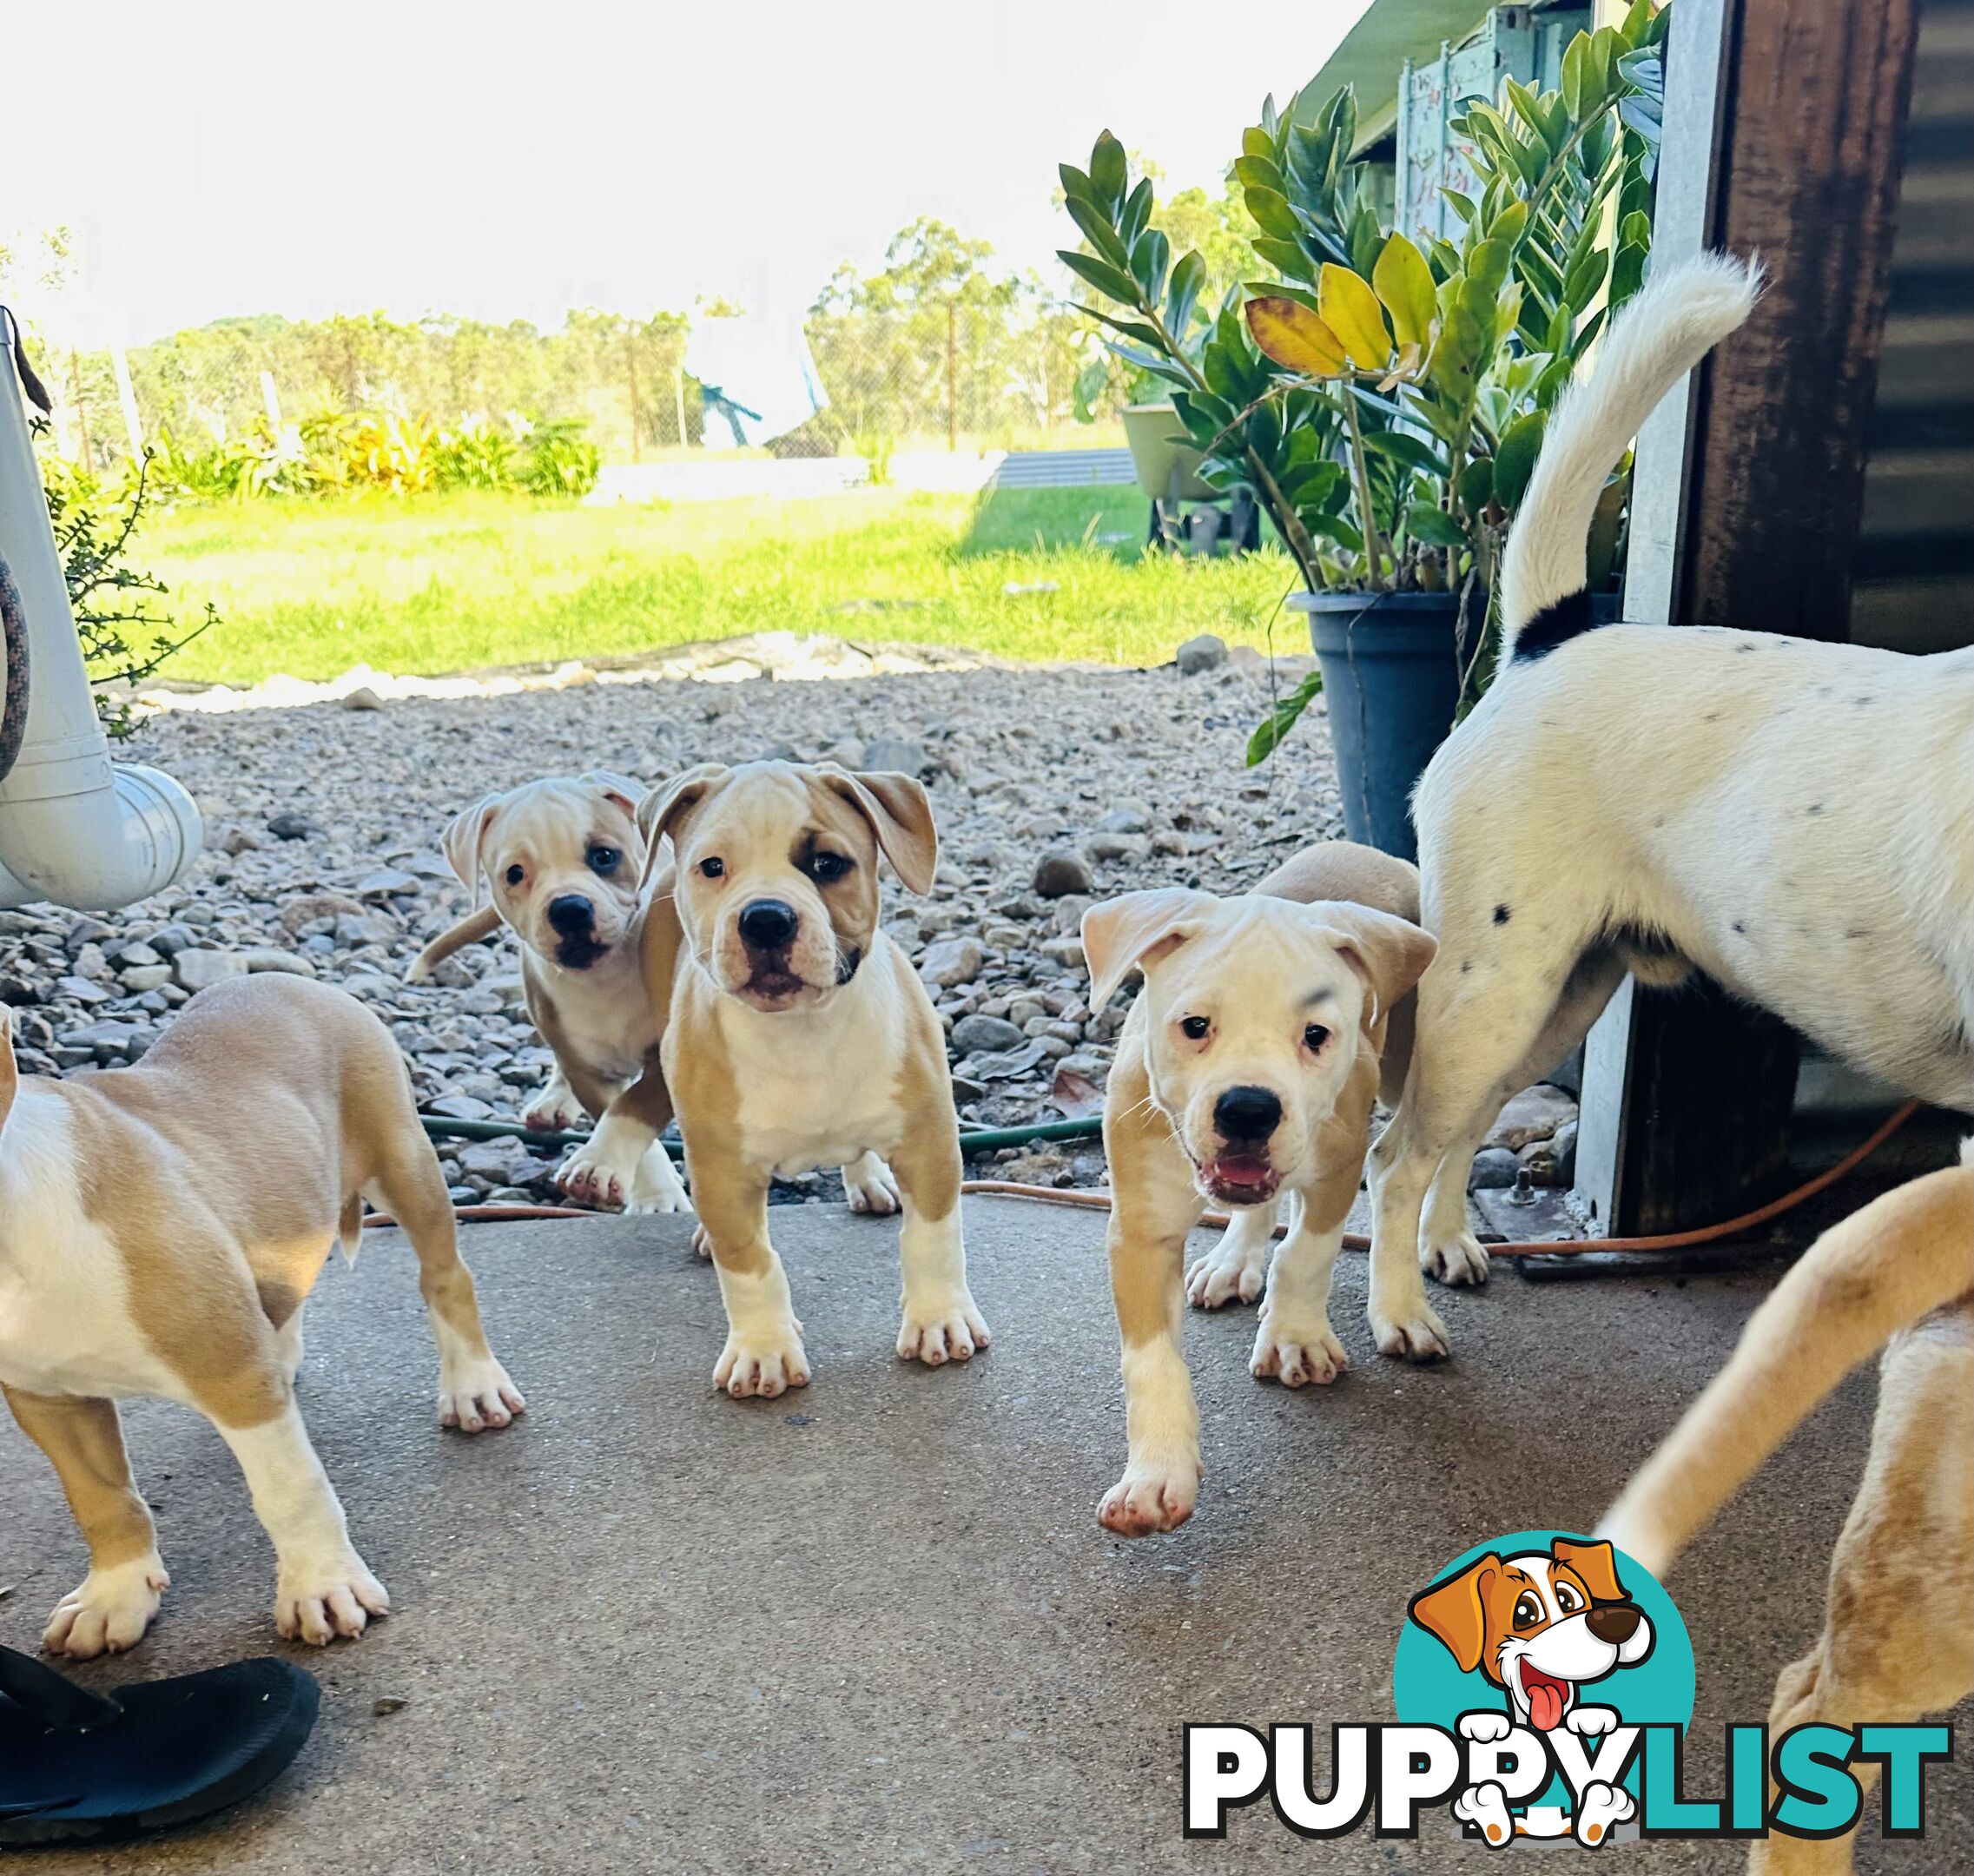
941, 1321
323, 1588
1294, 1341
763, 1353
613, 1168
111, 1608
1156, 1205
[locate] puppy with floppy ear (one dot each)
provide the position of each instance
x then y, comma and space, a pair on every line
1246, 1071
565, 867
799, 1034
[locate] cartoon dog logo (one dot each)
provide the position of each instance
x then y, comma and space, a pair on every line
1541, 1626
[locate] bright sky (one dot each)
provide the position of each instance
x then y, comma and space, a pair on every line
505, 161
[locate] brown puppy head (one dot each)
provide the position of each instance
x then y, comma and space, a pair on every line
1257, 1011
564, 859
1538, 1624
777, 870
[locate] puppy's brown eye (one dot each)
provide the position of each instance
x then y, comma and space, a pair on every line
1567, 1600
1528, 1610
515, 875
712, 869
1194, 1027
1314, 1037
823, 867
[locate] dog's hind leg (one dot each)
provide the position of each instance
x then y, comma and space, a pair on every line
1449, 1249
474, 1390
1896, 1644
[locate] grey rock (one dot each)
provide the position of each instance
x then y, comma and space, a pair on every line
1207, 653
1533, 1115
1494, 1168
172, 939
144, 977
1066, 950
388, 883
266, 958
896, 755
1127, 817
362, 698
952, 961
81, 990
199, 969
459, 1108
1117, 846
1061, 872
984, 1032
291, 826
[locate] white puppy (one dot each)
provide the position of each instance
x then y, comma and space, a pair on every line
1247, 1069
1792, 817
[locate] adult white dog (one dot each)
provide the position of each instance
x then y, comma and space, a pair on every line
1794, 818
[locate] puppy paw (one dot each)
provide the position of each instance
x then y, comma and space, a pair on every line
1589, 1721
1230, 1270
317, 1603
1463, 1261
656, 1187
870, 1188
1296, 1353
553, 1109
1485, 1806
1485, 1728
589, 1179
702, 1243
937, 1330
1600, 1806
474, 1396
1150, 1497
1416, 1335
762, 1365
108, 1611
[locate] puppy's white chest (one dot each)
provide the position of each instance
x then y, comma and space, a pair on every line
812, 1096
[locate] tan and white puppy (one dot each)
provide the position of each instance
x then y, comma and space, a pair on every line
1246, 1070
160, 1229
563, 862
800, 1035
1897, 1643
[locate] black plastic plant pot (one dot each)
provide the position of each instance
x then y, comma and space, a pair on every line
1391, 666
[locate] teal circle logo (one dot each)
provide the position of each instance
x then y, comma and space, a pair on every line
1548, 1634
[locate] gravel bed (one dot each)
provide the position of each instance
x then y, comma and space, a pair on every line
1050, 785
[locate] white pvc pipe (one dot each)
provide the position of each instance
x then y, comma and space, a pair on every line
75, 827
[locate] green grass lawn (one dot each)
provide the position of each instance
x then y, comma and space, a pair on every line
454, 582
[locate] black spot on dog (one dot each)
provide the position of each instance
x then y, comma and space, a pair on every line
1747, 644
1555, 624
1863, 701
1501, 914
1466, 965
1712, 717
1814, 808
1740, 928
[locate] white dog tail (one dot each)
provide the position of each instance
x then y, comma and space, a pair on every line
1675, 321
1856, 1287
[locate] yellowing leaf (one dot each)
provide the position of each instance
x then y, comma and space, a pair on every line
1404, 283
1295, 337
1350, 309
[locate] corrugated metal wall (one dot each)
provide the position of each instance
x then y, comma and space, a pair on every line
1915, 566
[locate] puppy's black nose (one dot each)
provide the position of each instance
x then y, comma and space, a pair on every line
572, 913
1247, 1113
769, 924
1616, 1622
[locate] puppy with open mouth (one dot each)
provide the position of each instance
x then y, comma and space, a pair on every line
799, 1035
1247, 1070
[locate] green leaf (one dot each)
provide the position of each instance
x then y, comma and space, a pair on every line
1131, 328
1259, 172
1256, 142
1075, 184
1097, 227
1434, 526
1581, 288
1109, 170
1461, 205
1401, 446
1148, 263
1189, 276
1284, 256
1477, 485
1574, 59
1135, 213
1335, 528
1111, 281
1268, 732
1273, 215
1515, 458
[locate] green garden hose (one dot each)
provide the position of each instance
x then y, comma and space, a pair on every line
977, 1140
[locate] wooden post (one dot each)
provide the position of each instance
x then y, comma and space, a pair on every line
1783, 131
126, 397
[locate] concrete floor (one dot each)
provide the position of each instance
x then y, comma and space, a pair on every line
873, 1626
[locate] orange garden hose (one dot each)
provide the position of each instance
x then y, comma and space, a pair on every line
1101, 1201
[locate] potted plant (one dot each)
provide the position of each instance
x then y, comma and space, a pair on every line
1384, 402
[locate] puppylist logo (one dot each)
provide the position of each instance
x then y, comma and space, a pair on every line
1543, 1685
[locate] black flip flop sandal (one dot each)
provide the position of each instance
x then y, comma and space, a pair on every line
75, 1765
